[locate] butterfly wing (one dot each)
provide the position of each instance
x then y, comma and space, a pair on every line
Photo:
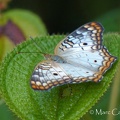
80, 57
83, 48
47, 75
86, 37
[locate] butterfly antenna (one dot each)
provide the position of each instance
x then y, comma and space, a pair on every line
35, 43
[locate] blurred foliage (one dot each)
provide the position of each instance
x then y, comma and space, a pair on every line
29, 23
111, 21
3, 4
16, 26
5, 113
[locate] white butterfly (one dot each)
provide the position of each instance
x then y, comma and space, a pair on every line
80, 57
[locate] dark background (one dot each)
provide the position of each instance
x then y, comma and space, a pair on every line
63, 16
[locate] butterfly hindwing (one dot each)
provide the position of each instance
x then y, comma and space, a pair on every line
47, 75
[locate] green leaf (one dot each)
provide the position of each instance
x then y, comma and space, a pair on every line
5, 113
111, 21
67, 102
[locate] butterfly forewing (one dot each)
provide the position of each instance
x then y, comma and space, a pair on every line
80, 57
87, 37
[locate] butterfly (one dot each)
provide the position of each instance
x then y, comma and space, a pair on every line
80, 57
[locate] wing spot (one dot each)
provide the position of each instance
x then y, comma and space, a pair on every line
95, 60
55, 74
84, 43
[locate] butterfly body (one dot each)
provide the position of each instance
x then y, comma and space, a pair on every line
78, 58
